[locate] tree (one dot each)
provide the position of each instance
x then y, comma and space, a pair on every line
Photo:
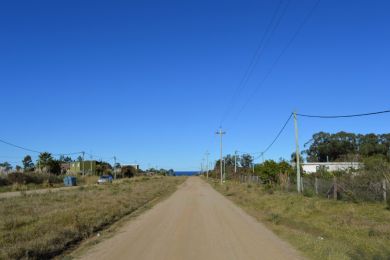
18, 168
54, 166
344, 146
6, 165
65, 159
28, 165
246, 161
79, 158
44, 161
270, 171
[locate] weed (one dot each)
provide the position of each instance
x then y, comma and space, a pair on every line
321, 228
42, 226
308, 192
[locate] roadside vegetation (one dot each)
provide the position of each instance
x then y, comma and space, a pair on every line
43, 226
343, 214
320, 228
18, 181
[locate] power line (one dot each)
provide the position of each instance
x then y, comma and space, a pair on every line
301, 25
272, 26
278, 135
344, 116
20, 147
32, 150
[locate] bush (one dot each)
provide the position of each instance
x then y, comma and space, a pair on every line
32, 178
4, 181
308, 192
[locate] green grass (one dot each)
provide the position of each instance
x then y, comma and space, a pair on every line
43, 226
320, 228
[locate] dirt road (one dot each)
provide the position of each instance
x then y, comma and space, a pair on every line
196, 222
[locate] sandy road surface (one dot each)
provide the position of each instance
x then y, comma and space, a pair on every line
196, 222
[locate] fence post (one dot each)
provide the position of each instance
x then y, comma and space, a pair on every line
384, 190
316, 184
334, 188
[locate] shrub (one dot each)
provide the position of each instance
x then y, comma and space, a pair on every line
4, 181
308, 192
32, 178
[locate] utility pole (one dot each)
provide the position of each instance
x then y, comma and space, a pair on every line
262, 157
207, 163
297, 154
90, 164
224, 170
114, 167
253, 165
220, 133
83, 163
235, 162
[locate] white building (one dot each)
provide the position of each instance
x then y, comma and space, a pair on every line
330, 166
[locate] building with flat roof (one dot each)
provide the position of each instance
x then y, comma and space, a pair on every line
312, 167
87, 167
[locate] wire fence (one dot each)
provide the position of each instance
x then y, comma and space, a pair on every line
352, 188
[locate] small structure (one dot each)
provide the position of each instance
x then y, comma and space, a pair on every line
70, 181
65, 167
312, 167
87, 167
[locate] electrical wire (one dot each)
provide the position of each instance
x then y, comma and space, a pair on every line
292, 39
344, 116
272, 26
20, 147
34, 151
278, 135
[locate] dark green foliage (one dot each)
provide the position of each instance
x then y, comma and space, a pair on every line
343, 146
4, 181
27, 163
269, 170
6, 165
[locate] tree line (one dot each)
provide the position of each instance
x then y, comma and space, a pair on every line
344, 146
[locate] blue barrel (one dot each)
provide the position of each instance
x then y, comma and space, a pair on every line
70, 181
73, 180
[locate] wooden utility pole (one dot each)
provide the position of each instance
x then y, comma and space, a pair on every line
235, 162
207, 163
334, 188
297, 154
83, 164
384, 190
221, 133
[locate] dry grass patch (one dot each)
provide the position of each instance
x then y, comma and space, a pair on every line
43, 226
320, 228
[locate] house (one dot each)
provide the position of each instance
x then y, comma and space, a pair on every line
135, 166
87, 167
312, 167
65, 167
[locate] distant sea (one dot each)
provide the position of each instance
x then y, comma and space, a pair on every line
186, 173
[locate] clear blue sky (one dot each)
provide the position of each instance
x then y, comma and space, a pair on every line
148, 81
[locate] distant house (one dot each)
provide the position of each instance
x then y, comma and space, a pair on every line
65, 167
313, 167
87, 167
135, 166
